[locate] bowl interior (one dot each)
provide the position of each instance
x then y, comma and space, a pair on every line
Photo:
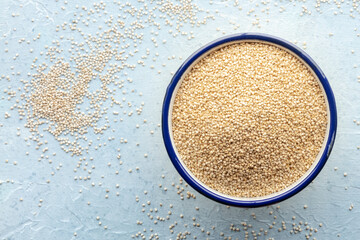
217, 193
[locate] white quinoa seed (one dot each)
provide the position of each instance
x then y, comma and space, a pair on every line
249, 119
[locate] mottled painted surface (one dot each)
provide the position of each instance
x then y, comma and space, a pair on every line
330, 35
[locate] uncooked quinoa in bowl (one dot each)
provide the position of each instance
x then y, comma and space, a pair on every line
249, 120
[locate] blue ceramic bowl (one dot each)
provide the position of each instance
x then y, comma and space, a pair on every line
256, 201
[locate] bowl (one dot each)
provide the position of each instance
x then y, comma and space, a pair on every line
291, 190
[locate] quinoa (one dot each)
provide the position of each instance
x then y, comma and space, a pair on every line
249, 119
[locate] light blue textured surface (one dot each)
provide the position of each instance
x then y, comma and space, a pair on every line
64, 209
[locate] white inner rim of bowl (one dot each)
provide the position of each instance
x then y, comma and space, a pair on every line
269, 195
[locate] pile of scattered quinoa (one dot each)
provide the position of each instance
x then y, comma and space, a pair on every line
249, 119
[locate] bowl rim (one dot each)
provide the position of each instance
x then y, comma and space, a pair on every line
201, 187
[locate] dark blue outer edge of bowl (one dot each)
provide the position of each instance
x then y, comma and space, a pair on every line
247, 203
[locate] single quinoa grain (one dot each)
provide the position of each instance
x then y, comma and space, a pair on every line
249, 119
